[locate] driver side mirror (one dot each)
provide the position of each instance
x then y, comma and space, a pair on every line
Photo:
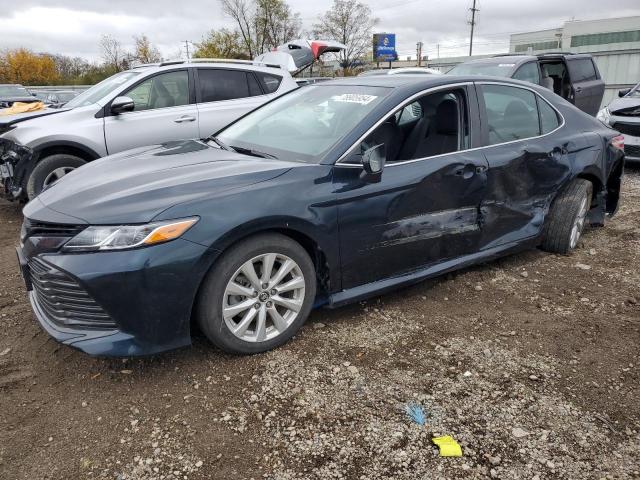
122, 105
622, 93
374, 158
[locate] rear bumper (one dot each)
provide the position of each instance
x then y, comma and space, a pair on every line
148, 293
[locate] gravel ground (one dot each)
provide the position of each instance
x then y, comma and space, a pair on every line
531, 363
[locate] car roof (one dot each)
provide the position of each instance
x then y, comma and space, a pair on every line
211, 63
515, 59
416, 83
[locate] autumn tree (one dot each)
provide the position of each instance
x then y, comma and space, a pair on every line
351, 23
28, 68
262, 24
221, 43
145, 51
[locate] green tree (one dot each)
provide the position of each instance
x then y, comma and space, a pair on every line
221, 43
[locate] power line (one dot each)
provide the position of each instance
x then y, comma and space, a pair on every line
473, 24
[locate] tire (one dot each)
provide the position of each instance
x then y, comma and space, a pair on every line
218, 293
566, 218
44, 173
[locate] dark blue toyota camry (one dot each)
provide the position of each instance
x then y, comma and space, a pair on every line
329, 194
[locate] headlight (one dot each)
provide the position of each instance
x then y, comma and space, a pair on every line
604, 116
128, 236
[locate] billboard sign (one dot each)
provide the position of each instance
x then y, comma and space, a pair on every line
384, 47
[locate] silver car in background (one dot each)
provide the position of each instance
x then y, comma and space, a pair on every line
147, 105
623, 114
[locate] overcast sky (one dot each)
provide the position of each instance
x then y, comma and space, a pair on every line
73, 27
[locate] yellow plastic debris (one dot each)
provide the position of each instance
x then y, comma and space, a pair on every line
22, 107
448, 446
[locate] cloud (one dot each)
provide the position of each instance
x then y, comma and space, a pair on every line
74, 27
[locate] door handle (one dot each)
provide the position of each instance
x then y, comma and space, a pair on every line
468, 171
185, 118
578, 89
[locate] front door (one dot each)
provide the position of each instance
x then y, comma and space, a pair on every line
164, 111
424, 206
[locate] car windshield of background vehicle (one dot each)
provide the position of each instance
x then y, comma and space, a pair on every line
100, 90
13, 91
492, 69
304, 124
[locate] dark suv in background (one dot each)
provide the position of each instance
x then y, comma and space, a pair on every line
575, 77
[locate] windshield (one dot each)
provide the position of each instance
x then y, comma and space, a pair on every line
492, 69
65, 96
304, 124
100, 90
13, 91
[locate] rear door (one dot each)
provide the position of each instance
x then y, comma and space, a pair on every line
165, 110
225, 94
587, 86
528, 159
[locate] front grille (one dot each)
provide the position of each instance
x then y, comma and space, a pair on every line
632, 150
31, 228
632, 129
63, 300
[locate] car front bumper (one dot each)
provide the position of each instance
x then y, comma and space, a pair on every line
146, 294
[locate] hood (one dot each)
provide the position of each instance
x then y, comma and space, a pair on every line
20, 117
137, 185
625, 106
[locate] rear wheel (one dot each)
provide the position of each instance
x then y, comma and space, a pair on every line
567, 217
257, 295
49, 170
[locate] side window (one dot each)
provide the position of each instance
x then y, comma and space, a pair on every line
254, 86
582, 70
269, 82
434, 124
511, 113
528, 73
169, 89
218, 84
549, 120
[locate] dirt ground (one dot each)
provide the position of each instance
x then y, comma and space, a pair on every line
531, 363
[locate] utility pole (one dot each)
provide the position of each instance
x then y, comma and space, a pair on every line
438, 45
473, 24
186, 44
419, 53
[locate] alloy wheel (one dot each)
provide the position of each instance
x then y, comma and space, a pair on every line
578, 223
56, 175
263, 297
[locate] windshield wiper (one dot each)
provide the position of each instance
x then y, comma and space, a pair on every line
221, 144
254, 153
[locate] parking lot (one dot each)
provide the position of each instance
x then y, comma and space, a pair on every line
530, 362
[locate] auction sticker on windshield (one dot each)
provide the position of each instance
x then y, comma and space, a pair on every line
360, 98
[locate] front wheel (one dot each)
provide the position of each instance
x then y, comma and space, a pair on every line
567, 217
258, 295
49, 170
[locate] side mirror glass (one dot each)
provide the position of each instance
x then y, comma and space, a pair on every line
374, 158
122, 104
622, 93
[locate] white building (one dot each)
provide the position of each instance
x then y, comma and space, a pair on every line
614, 44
